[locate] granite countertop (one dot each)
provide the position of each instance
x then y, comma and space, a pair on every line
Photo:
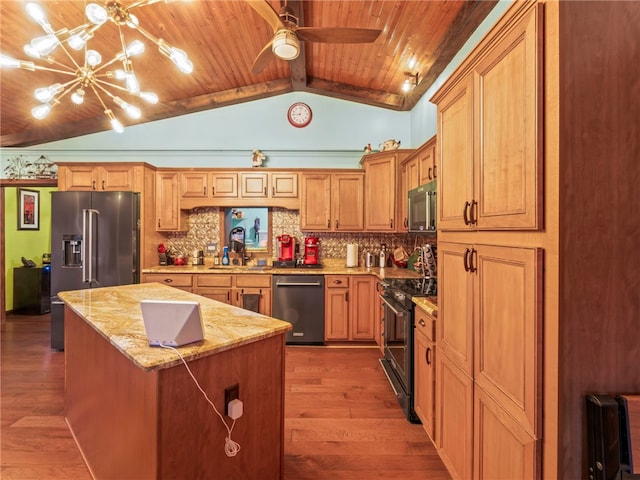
331, 266
428, 304
114, 312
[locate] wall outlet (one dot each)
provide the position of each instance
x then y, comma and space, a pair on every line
230, 393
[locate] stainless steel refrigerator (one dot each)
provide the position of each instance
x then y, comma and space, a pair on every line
94, 243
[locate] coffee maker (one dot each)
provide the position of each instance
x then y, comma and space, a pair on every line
311, 247
286, 251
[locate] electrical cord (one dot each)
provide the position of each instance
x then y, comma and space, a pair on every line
231, 448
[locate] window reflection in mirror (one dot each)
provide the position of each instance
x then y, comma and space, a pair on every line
247, 228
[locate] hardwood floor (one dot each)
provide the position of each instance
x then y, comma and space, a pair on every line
341, 418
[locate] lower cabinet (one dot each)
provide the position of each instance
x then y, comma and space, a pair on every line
235, 290
424, 370
183, 281
350, 311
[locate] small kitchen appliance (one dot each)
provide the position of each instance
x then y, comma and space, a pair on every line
286, 251
311, 248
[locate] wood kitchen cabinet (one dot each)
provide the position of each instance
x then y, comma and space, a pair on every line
183, 281
169, 217
489, 336
201, 188
382, 185
332, 202
425, 370
231, 288
99, 177
350, 312
489, 136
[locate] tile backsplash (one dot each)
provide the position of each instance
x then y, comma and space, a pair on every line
205, 225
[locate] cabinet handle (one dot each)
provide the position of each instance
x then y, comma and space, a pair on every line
421, 322
329, 223
213, 191
474, 213
228, 296
435, 175
466, 259
93, 185
159, 223
204, 191
406, 223
103, 185
168, 280
346, 296
265, 191
427, 356
429, 173
465, 213
337, 282
473, 253
391, 223
336, 224
273, 191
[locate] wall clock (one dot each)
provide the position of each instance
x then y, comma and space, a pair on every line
299, 114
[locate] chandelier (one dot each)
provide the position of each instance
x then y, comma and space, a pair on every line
91, 74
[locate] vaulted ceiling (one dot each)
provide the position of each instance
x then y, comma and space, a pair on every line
222, 39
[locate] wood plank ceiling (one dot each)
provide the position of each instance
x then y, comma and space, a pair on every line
222, 38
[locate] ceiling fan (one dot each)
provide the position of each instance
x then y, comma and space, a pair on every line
287, 34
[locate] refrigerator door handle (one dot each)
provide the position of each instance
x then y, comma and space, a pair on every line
88, 255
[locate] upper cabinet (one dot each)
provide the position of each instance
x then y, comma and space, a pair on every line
332, 202
169, 217
489, 137
381, 189
202, 188
99, 177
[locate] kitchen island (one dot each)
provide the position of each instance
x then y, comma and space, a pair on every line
135, 412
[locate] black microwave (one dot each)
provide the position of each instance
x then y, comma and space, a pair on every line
422, 209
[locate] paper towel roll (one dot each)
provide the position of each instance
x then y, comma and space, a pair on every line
352, 255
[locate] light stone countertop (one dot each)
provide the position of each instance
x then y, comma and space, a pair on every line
332, 266
114, 312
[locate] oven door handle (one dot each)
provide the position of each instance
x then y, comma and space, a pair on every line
395, 310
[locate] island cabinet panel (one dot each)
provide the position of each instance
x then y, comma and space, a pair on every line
132, 423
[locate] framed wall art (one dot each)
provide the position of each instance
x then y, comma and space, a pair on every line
28, 209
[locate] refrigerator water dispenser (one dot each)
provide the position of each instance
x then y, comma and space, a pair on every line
72, 250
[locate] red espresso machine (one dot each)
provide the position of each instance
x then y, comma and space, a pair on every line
286, 251
311, 249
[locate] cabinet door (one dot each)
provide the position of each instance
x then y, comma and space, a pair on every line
224, 185
424, 381
194, 185
78, 177
336, 307
503, 449
508, 330
183, 281
315, 207
168, 215
284, 185
455, 149
219, 294
508, 183
455, 304
361, 307
347, 202
427, 164
254, 185
380, 193
454, 428
116, 177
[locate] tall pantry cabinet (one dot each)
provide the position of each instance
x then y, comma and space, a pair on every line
538, 175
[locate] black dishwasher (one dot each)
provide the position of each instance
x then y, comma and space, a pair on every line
299, 300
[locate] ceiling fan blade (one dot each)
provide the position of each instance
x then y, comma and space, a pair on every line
263, 59
266, 11
337, 35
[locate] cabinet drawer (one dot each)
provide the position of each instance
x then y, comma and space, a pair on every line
213, 280
173, 280
336, 281
257, 281
425, 324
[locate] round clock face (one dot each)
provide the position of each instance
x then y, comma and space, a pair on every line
299, 114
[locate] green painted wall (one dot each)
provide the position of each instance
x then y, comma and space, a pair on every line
30, 244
